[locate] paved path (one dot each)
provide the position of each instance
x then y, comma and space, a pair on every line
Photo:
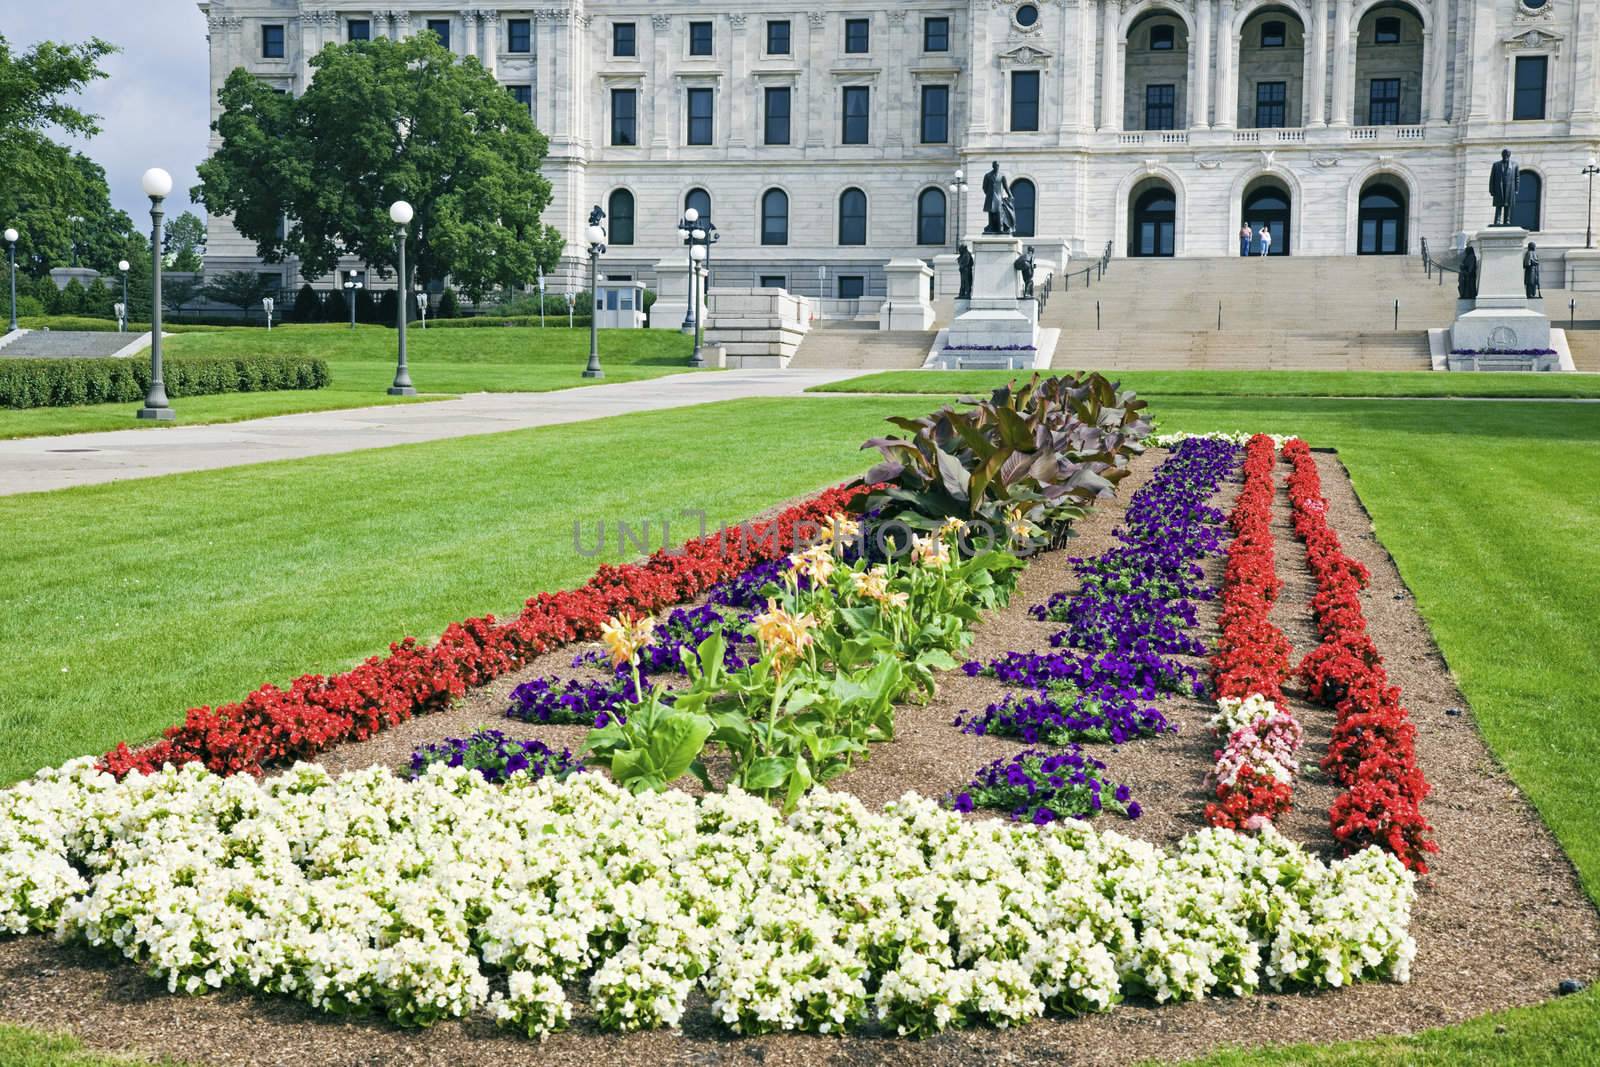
38, 464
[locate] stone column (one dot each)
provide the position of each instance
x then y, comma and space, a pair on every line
490, 52
661, 91
1436, 52
740, 107
1227, 82
1200, 84
1344, 63
981, 70
894, 80
1110, 65
819, 93
1317, 83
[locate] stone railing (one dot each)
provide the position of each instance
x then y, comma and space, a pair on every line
757, 327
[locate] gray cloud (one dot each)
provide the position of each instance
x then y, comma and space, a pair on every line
154, 108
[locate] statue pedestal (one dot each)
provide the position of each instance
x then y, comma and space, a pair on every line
995, 320
1502, 318
908, 306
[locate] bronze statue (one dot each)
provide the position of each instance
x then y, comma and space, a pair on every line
965, 261
1530, 272
997, 203
1504, 178
1024, 266
1467, 275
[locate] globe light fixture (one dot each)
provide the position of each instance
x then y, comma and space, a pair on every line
400, 214
11, 236
122, 325
156, 183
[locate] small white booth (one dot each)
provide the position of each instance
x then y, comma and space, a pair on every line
619, 305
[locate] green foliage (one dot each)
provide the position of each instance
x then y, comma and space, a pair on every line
242, 289
449, 306
307, 305
183, 243
380, 122
98, 299
36, 383
483, 321
72, 297
178, 293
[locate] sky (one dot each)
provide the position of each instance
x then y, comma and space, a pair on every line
153, 107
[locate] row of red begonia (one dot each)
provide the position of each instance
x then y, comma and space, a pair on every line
315, 712
1252, 654
1373, 749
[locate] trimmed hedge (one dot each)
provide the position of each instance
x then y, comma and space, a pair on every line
551, 319
54, 383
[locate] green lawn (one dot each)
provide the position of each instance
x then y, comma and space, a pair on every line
1250, 383
194, 588
27, 1048
444, 363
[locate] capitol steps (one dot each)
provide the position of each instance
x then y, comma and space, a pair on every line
861, 346
1122, 350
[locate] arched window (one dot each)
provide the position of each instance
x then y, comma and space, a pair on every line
620, 211
1023, 198
1381, 220
852, 217
1529, 189
700, 200
930, 217
775, 217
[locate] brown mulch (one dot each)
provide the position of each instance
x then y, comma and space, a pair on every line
1499, 922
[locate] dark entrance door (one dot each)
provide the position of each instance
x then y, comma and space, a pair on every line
1154, 226
1268, 207
1381, 222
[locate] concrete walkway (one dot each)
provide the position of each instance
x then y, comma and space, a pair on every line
40, 464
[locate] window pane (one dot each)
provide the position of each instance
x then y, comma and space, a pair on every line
777, 115
441, 29
856, 33
700, 116
852, 287
1528, 102
1526, 211
620, 209
778, 37
1025, 100
936, 35
519, 35
699, 38
853, 217
1383, 107
624, 117
624, 39
935, 114
775, 218
930, 217
360, 29
700, 200
1386, 31
272, 42
1023, 199
1270, 98
522, 94
1272, 34
1162, 39
774, 281
1160, 107
857, 114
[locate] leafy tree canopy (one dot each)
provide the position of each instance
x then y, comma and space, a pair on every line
385, 121
184, 243
239, 288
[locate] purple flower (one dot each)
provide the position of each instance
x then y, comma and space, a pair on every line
963, 802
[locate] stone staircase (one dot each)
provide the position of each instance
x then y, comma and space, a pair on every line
848, 344
67, 344
1286, 313
1585, 348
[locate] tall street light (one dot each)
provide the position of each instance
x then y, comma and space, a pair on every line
400, 214
73, 222
11, 239
1591, 170
123, 265
596, 233
157, 184
699, 234
352, 282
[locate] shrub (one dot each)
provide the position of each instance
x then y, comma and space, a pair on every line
42, 383
307, 305
449, 306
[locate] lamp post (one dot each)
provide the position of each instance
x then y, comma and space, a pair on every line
699, 234
572, 298
1591, 170
400, 214
157, 183
422, 305
596, 233
123, 265
73, 222
352, 282
11, 239
958, 187
267, 304
541, 296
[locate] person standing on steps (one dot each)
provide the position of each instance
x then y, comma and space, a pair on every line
1244, 239
1265, 236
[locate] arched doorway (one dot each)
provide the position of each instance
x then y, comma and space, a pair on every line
1381, 220
1389, 44
1272, 57
1266, 203
1153, 223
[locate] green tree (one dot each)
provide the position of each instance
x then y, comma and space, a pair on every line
385, 121
307, 306
179, 293
98, 298
184, 243
72, 298
239, 288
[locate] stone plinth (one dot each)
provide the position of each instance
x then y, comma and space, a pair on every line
671, 309
995, 319
1502, 318
907, 306
757, 327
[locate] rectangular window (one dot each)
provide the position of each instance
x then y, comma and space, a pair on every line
935, 114
852, 286
701, 124
519, 35
1386, 30
1162, 38
775, 114
358, 30
624, 40
936, 34
440, 28
272, 42
1270, 100
857, 36
700, 40
1383, 102
522, 94
778, 37
1160, 107
1274, 34
857, 114
1528, 100
774, 281
1024, 100
625, 117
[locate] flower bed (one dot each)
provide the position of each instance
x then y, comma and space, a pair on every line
1373, 749
439, 897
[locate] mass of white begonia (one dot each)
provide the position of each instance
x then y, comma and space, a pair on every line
1168, 440
446, 895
